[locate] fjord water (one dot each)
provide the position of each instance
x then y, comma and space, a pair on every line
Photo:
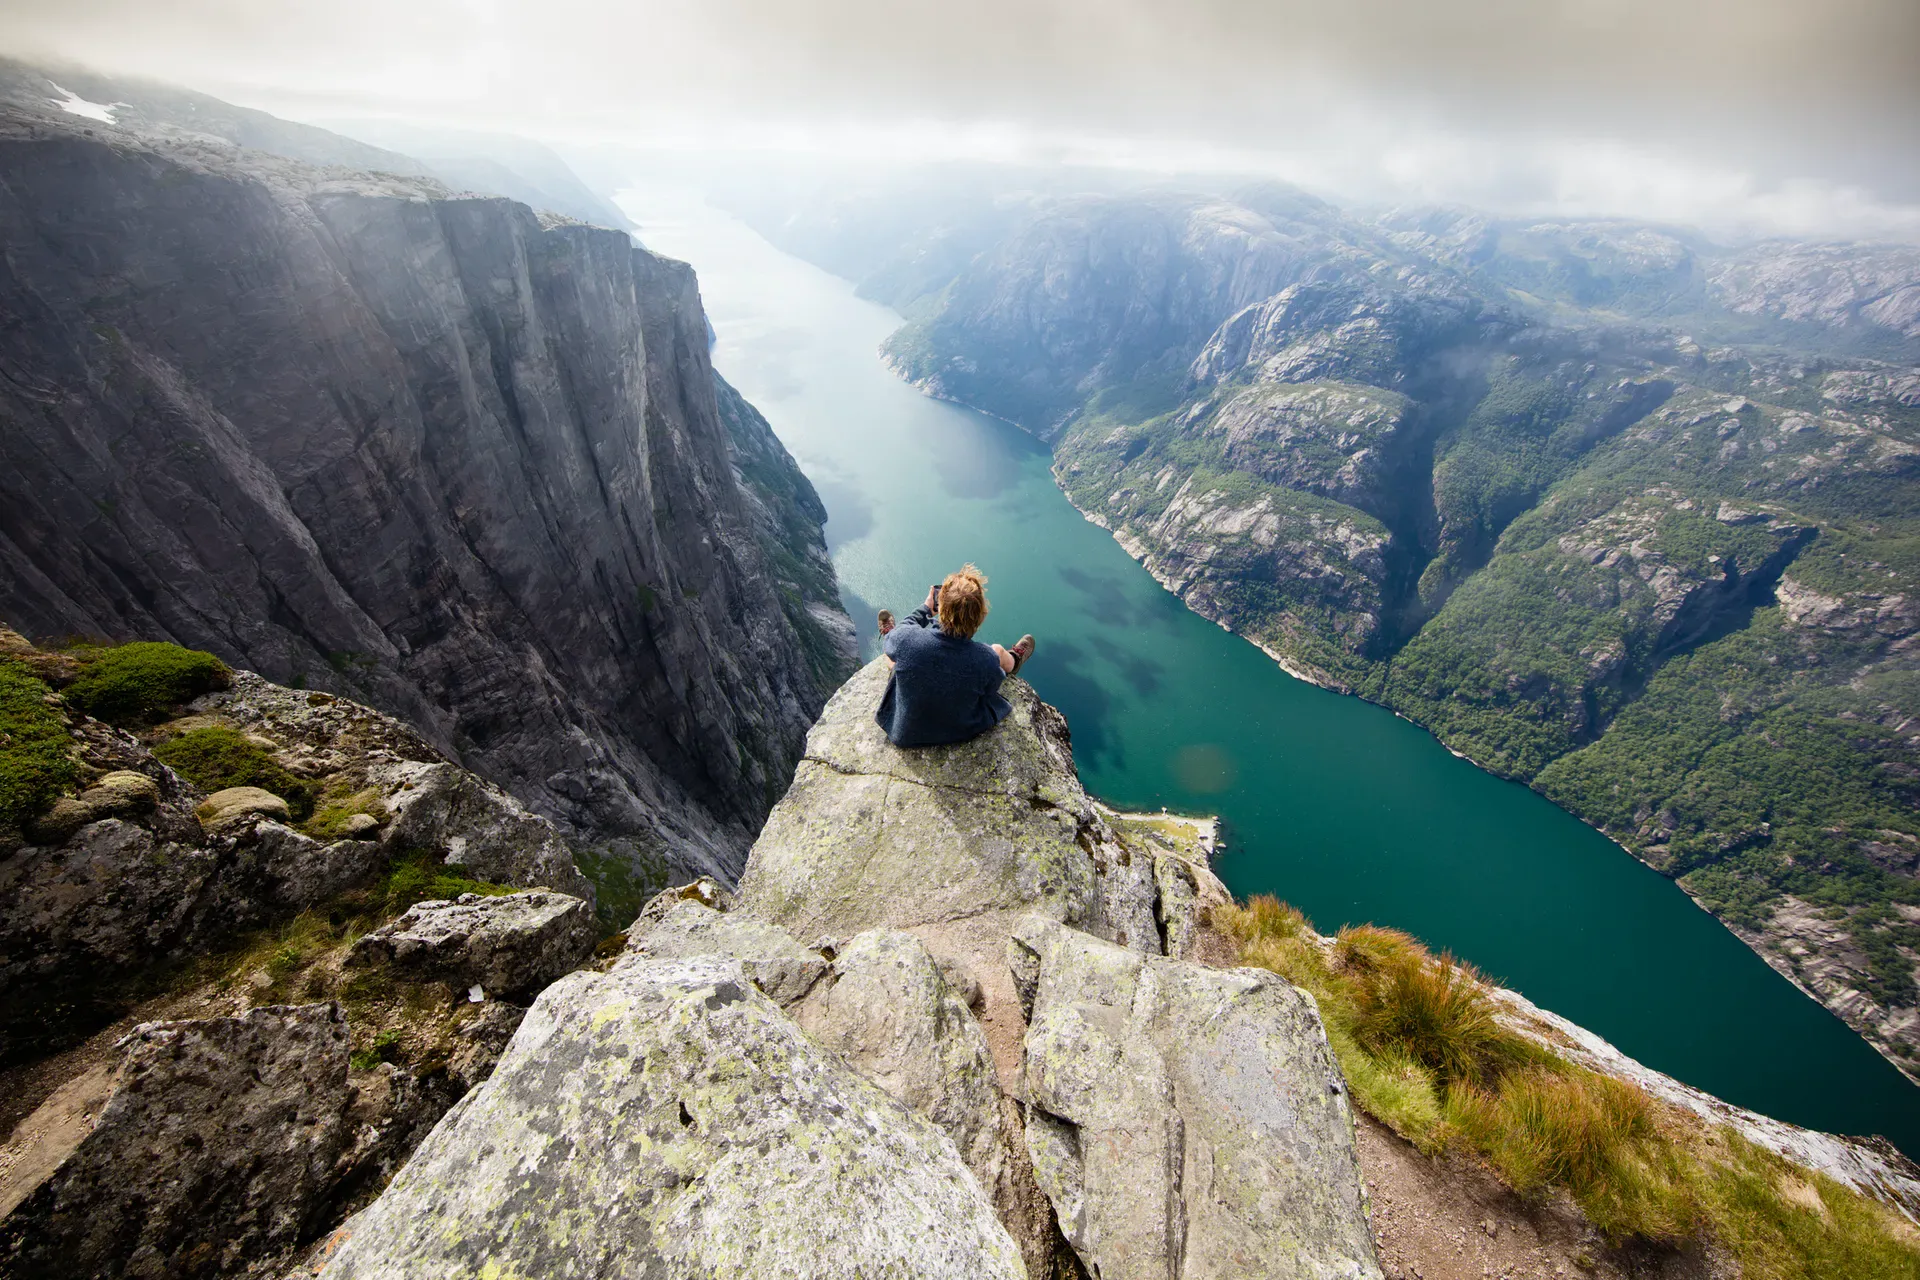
1333, 804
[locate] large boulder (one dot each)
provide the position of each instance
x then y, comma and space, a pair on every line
1188, 1121
485, 832
215, 1146
891, 1015
666, 1120
772, 959
871, 835
237, 804
512, 945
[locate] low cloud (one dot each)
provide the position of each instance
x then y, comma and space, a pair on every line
1790, 116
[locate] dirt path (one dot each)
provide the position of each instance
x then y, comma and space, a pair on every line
1451, 1219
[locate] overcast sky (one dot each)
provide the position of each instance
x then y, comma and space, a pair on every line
1799, 116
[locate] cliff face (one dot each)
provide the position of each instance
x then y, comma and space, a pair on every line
464, 463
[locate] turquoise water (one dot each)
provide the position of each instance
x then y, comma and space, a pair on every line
1335, 805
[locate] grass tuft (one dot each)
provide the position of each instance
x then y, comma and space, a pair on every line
329, 821
417, 877
1435, 1012
385, 1048
1596, 1136
135, 684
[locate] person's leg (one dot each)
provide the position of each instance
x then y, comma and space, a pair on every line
1022, 650
1011, 660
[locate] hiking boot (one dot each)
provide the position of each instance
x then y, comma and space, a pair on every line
1021, 652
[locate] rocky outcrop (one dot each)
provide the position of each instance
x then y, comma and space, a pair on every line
907, 932
940, 861
1344, 332
770, 957
212, 1149
1185, 1120
974, 1090
352, 433
870, 835
667, 1120
510, 946
141, 868
260, 1129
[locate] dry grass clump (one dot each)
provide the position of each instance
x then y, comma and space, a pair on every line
1419, 1040
1435, 1011
1562, 1126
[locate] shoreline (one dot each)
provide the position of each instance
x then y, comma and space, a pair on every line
1319, 679
1204, 828
1142, 555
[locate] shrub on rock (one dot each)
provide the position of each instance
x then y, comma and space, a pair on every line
36, 764
136, 683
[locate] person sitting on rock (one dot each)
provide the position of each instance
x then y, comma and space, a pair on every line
945, 685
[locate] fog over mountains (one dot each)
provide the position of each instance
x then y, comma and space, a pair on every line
1776, 117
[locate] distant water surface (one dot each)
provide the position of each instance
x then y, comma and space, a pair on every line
1333, 804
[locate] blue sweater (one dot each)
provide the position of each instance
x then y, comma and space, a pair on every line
943, 688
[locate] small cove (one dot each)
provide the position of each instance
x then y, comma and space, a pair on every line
1336, 805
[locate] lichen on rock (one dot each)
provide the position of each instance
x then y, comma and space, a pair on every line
512, 945
666, 1120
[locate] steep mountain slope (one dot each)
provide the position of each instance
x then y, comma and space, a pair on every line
464, 463
1476, 471
497, 164
153, 107
489, 164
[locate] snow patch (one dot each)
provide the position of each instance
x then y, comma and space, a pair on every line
74, 104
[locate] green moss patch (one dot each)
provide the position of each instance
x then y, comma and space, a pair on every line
36, 760
329, 820
215, 758
133, 684
385, 1048
418, 877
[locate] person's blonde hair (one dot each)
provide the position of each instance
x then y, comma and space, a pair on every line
963, 602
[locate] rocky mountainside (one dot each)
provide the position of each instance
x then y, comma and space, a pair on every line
466, 463
244, 864
958, 1021
1611, 509
496, 164
489, 164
